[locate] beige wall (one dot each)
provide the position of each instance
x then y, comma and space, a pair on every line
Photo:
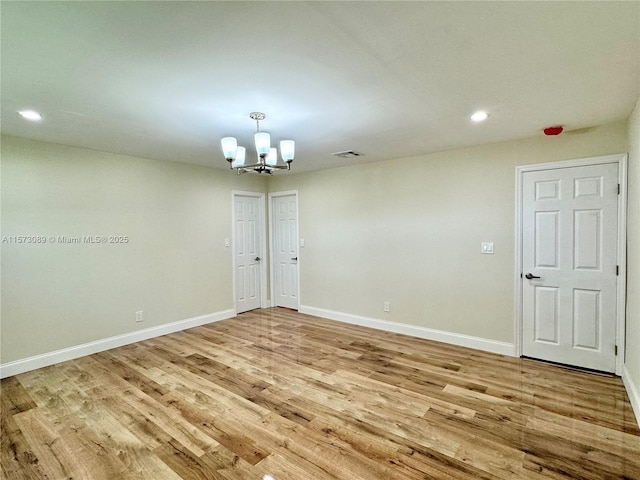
409, 232
404, 231
633, 251
174, 266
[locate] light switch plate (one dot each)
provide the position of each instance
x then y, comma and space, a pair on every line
227, 242
302, 242
487, 247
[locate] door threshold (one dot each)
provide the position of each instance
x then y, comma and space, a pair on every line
573, 368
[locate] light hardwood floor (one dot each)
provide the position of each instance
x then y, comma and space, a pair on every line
277, 394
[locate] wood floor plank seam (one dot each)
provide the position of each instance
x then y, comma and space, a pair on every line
277, 394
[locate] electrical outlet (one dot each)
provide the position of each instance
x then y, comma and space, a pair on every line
139, 316
487, 247
387, 306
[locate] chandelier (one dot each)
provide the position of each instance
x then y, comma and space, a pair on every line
267, 160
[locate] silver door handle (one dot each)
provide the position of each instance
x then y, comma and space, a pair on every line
528, 276
257, 259
294, 258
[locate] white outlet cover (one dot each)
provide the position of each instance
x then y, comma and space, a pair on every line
487, 247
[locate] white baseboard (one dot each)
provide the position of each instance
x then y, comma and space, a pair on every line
632, 392
493, 346
58, 356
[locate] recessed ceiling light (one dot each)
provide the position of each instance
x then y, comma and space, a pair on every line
479, 116
30, 115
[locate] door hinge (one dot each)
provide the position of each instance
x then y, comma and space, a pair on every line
618, 189
616, 349
617, 270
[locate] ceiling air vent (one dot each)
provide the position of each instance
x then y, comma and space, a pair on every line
348, 154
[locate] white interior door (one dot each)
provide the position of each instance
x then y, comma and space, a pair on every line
569, 252
247, 254
285, 250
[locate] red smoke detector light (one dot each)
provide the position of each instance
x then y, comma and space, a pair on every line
557, 130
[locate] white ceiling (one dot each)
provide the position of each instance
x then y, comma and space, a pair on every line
167, 80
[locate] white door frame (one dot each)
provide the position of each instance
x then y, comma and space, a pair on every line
621, 160
263, 245
272, 278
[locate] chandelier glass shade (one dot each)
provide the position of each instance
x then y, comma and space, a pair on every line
267, 156
239, 160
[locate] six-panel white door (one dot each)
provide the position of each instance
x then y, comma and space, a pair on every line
285, 250
247, 252
569, 247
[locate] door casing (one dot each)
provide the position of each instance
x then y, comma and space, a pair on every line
272, 266
263, 247
621, 160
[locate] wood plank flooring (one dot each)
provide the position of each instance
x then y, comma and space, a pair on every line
274, 394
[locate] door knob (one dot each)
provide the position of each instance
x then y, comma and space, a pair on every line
528, 276
294, 258
257, 259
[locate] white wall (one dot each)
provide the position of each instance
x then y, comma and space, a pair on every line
174, 267
408, 231
632, 361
